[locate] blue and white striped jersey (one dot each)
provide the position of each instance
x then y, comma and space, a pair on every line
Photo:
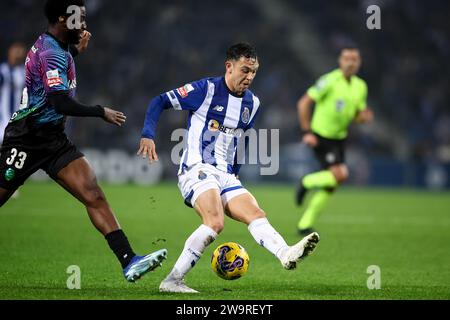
12, 83
217, 120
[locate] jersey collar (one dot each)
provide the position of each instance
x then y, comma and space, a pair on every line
60, 43
231, 92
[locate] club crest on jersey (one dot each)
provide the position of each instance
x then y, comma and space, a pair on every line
9, 174
340, 105
184, 91
202, 175
246, 115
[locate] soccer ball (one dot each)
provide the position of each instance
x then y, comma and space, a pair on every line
230, 261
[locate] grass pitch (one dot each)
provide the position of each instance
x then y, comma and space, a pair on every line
406, 233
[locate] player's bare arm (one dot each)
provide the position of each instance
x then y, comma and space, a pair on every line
304, 107
147, 148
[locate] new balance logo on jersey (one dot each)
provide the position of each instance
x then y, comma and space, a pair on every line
218, 108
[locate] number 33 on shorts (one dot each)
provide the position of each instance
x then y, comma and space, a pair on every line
17, 158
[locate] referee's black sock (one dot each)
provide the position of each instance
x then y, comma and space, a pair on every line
119, 244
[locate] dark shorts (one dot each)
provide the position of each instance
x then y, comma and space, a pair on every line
329, 151
22, 157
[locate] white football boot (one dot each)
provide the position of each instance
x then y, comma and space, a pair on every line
175, 286
299, 251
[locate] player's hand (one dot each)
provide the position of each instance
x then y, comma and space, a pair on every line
365, 116
369, 116
114, 117
84, 41
310, 140
147, 148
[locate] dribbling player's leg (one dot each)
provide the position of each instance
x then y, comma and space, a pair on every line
79, 179
245, 208
209, 207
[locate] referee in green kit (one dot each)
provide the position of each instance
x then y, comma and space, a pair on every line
340, 97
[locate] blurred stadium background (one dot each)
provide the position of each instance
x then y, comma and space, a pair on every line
144, 48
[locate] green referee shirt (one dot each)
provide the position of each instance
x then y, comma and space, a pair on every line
337, 103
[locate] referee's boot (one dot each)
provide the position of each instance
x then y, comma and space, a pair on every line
300, 193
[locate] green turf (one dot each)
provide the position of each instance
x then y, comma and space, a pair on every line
405, 233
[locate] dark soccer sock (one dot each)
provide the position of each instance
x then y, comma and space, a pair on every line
119, 244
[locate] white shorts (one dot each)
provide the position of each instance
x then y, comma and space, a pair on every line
202, 177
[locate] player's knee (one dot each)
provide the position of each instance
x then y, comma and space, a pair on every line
258, 213
340, 173
343, 175
93, 197
217, 225
214, 221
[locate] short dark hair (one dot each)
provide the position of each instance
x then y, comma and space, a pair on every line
54, 9
235, 52
348, 47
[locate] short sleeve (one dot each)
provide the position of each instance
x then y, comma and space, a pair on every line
320, 88
362, 103
54, 70
190, 96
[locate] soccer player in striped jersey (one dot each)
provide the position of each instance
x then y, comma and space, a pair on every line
341, 98
35, 138
220, 110
12, 82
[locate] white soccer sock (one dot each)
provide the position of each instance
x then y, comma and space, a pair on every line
263, 232
193, 250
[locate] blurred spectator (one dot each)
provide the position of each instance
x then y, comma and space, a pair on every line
12, 83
